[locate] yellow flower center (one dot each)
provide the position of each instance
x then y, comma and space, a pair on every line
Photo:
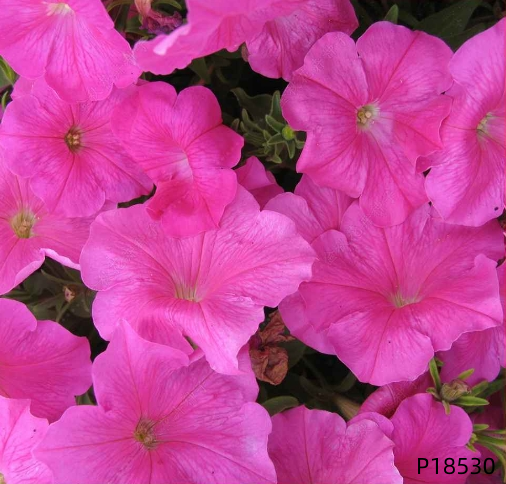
73, 139
482, 125
399, 301
145, 434
366, 114
22, 224
187, 293
59, 8
2, 479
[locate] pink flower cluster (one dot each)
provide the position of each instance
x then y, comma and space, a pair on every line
359, 262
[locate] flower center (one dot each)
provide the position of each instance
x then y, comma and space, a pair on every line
22, 224
73, 139
399, 301
2, 479
145, 434
186, 293
59, 8
367, 114
482, 125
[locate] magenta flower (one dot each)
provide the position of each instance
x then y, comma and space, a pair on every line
71, 43
223, 25
41, 361
387, 299
181, 143
69, 152
210, 288
20, 432
422, 429
484, 351
319, 447
314, 210
29, 232
370, 111
160, 420
466, 183
280, 47
258, 181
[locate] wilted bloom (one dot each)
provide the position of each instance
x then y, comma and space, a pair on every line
422, 429
269, 361
71, 43
466, 183
319, 447
210, 288
74, 162
258, 181
370, 110
224, 25
181, 143
20, 432
314, 210
280, 47
41, 360
387, 299
160, 420
29, 232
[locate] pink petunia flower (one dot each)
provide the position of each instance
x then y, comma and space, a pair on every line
466, 183
29, 232
314, 210
319, 447
280, 47
210, 288
423, 430
387, 299
370, 111
210, 28
181, 143
71, 43
161, 420
41, 361
20, 432
68, 151
258, 181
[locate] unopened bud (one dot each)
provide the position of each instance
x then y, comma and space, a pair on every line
454, 390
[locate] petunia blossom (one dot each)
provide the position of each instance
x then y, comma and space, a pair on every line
74, 162
29, 232
319, 447
466, 183
181, 143
370, 110
71, 43
258, 181
423, 430
314, 210
209, 28
161, 420
280, 47
20, 432
210, 288
41, 361
387, 299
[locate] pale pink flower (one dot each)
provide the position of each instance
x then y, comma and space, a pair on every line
71, 43
181, 143
74, 162
29, 232
20, 432
483, 351
41, 361
466, 183
422, 429
211, 287
161, 420
387, 299
258, 181
370, 110
279, 49
210, 28
319, 447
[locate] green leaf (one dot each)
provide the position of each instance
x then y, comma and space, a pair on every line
279, 404
450, 21
434, 373
457, 40
393, 14
257, 106
172, 3
295, 350
199, 66
465, 374
274, 124
469, 401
